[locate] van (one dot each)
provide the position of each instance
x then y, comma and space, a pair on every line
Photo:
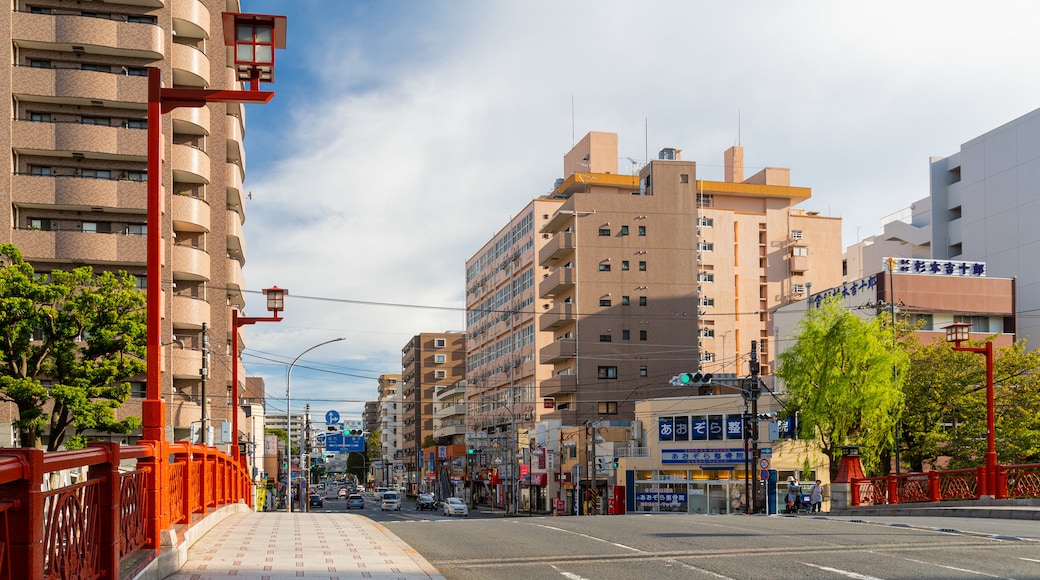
391, 501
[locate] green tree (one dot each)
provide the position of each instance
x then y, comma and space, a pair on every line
839, 376
945, 414
70, 342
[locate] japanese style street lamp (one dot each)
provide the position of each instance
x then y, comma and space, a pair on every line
268, 33
957, 333
275, 304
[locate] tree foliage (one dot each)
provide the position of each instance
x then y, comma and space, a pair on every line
69, 342
839, 376
945, 415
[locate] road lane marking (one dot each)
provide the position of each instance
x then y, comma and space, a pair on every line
842, 572
1029, 560
588, 537
569, 575
954, 568
696, 569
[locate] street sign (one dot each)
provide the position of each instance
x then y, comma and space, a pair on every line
764, 475
340, 443
765, 452
332, 417
763, 463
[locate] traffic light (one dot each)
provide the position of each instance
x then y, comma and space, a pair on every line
615, 463
766, 416
691, 379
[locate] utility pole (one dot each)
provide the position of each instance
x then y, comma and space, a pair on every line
203, 374
305, 472
754, 393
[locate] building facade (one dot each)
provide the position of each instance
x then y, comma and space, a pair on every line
430, 361
391, 431
74, 154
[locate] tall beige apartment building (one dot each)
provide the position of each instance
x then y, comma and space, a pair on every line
73, 152
644, 276
430, 362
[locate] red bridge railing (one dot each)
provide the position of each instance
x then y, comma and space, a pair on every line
83, 514
1013, 482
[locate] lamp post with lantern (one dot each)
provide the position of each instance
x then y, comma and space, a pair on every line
957, 333
275, 304
253, 38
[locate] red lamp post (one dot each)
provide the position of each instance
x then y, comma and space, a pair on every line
275, 304
268, 33
957, 333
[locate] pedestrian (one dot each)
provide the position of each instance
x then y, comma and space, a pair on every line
816, 497
794, 492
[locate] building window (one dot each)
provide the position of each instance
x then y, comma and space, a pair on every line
95, 67
440, 374
705, 301
606, 338
97, 173
706, 332
135, 71
626, 335
625, 301
37, 63
607, 372
642, 300
705, 247
138, 389
604, 267
796, 234
642, 266
624, 230
684, 178
97, 227
440, 358
604, 232
105, 121
604, 301
607, 407
797, 288
707, 357
137, 175
39, 170
624, 264
439, 343
799, 251
137, 230
39, 224
978, 323
705, 222
642, 335
705, 277
40, 117
136, 124
705, 200
642, 230
643, 372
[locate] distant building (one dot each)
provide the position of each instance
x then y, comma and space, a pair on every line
905, 234
391, 431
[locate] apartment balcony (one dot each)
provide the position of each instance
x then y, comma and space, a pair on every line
190, 19
235, 284
190, 263
190, 312
560, 246
62, 32
449, 430
561, 280
456, 389
77, 87
29, 137
236, 153
190, 66
83, 247
234, 189
190, 214
559, 315
799, 263
185, 363
190, 120
190, 164
79, 193
558, 385
450, 411
236, 243
558, 350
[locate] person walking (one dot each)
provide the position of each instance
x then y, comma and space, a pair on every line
816, 497
794, 492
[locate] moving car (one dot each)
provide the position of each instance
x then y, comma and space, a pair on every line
391, 501
380, 491
454, 506
342, 492
425, 501
317, 500
355, 501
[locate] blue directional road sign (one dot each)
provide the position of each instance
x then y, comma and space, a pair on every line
332, 417
340, 443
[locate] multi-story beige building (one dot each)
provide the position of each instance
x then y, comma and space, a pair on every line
430, 361
659, 273
391, 432
73, 147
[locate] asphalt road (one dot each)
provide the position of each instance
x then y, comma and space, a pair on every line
721, 547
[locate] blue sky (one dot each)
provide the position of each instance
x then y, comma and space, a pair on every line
403, 135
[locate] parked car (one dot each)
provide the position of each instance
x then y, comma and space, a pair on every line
454, 506
355, 501
391, 501
317, 500
425, 501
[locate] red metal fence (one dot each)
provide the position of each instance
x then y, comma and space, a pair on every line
1013, 482
81, 514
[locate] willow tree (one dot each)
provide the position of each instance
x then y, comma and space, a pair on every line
842, 376
70, 342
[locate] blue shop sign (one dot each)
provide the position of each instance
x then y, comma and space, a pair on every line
655, 497
697, 456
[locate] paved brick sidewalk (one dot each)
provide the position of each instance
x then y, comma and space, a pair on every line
276, 546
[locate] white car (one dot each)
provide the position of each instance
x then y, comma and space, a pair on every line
380, 491
454, 506
391, 501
